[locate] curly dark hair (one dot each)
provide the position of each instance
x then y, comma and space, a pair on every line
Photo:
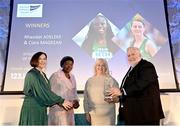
66, 58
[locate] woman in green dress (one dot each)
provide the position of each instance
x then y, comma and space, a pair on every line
38, 95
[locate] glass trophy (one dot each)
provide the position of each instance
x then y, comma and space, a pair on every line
108, 84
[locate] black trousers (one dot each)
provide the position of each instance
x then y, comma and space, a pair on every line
157, 122
121, 122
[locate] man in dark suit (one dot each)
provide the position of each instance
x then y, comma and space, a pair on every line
139, 93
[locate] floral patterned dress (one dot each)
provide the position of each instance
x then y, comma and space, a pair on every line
66, 88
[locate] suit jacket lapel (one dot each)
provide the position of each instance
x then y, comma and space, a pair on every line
124, 79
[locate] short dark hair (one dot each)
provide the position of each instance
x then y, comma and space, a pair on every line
64, 59
35, 57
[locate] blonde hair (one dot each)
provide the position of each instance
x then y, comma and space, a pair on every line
105, 64
138, 18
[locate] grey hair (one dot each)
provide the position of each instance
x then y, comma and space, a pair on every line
135, 49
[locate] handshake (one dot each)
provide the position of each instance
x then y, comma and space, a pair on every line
70, 104
75, 104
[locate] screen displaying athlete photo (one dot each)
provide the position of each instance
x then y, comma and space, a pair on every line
139, 33
87, 30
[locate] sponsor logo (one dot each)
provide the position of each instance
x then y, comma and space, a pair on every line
29, 10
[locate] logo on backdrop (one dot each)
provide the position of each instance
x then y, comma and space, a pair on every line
29, 10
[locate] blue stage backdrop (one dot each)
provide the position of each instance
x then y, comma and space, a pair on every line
60, 28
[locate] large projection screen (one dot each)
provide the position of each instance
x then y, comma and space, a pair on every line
60, 28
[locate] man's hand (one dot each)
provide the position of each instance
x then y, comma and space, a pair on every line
115, 92
108, 99
111, 99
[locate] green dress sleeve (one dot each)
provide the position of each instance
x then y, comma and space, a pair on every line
37, 87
